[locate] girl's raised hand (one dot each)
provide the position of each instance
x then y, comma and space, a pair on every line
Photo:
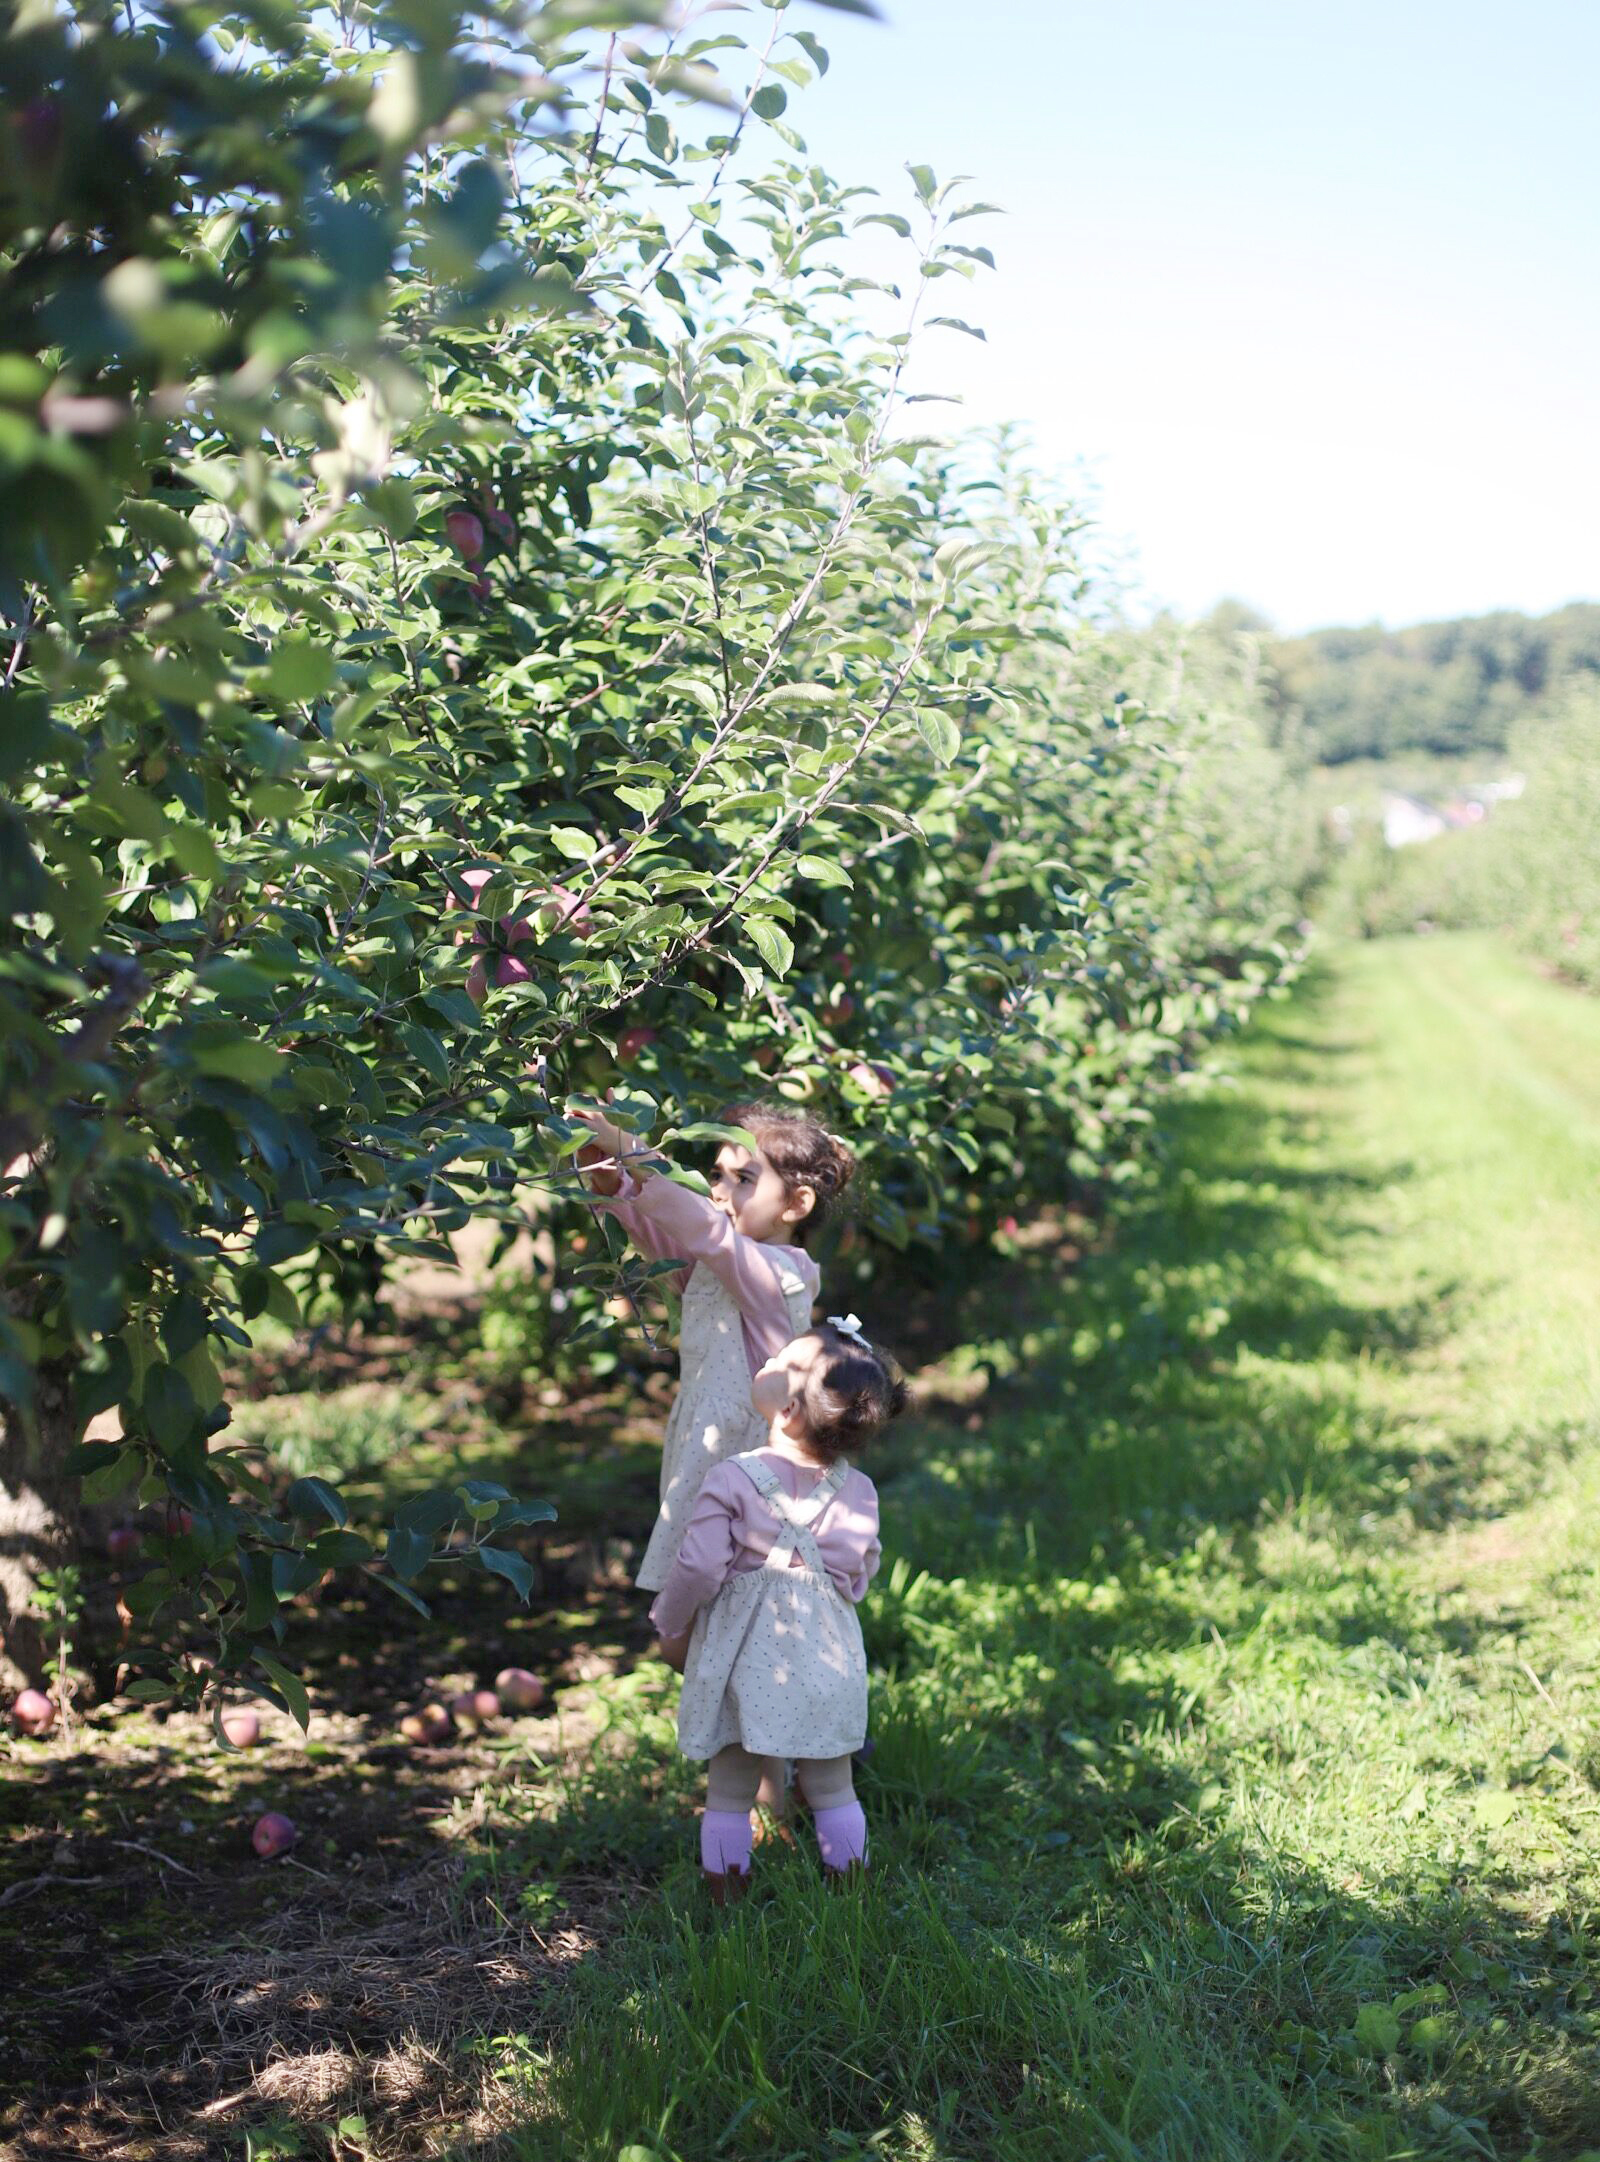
611, 1138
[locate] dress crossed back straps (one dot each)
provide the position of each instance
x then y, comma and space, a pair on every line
795, 1518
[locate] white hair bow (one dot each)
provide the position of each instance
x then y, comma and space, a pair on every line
849, 1325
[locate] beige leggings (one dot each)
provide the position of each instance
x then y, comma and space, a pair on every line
734, 1776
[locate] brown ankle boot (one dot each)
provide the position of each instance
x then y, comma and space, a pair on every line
726, 1886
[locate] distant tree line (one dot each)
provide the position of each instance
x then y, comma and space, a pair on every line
1447, 688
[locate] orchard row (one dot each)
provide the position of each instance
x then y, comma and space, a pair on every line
486, 630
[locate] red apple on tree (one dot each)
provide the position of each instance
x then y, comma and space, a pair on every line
552, 908
631, 1042
466, 534
123, 1541
872, 1079
241, 1725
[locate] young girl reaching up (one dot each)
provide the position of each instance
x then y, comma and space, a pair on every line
760, 1605
747, 1288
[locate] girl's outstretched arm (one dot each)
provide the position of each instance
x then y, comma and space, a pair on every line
616, 1188
666, 1221
676, 1221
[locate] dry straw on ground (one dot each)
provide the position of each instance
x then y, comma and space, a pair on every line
353, 2000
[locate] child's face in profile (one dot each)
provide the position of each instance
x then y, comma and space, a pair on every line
777, 1389
747, 1189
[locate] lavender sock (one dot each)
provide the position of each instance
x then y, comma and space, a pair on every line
725, 1840
842, 1835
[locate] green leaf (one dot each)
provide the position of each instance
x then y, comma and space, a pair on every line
299, 671
293, 1574
430, 1512
954, 322
90, 1456
574, 842
312, 1497
339, 1549
114, 1478
769, 101
1377, 2030
169, 1406
772, 942
290, 1688
821, 871
940, 734
261, 1593
244, 1059
524, 1512
482, 1490
402, 1591
427, 1051
500, 1561
408, 1551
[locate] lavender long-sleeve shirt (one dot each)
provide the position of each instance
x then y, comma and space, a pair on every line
731, 1531
668, 1222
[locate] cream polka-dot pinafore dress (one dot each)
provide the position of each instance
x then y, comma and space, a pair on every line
776, 1662
713, 1418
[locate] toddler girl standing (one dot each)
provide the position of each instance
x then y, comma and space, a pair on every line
761, 1601
746, 1290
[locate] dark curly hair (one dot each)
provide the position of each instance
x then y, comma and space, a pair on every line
802, 1152
850, 1394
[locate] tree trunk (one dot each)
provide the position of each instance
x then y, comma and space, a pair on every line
38, 1522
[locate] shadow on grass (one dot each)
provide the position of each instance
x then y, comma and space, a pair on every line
1065, 1952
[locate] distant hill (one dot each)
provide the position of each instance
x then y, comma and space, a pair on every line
1448, 688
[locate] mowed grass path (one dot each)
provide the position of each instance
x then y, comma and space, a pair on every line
1237, 1737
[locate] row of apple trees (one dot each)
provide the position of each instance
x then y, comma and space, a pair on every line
483, 609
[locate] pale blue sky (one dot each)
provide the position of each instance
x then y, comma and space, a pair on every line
1310, 286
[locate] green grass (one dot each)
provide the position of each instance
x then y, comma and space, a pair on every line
1235, 1789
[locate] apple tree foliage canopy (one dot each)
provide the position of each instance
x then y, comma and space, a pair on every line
474, 583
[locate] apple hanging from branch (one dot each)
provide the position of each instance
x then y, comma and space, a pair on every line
551, 908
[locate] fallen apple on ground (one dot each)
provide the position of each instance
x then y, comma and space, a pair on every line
273, 1834
32, 1712
519, 1690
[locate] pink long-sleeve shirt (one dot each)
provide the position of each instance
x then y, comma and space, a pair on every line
731, 1531
668, 1222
